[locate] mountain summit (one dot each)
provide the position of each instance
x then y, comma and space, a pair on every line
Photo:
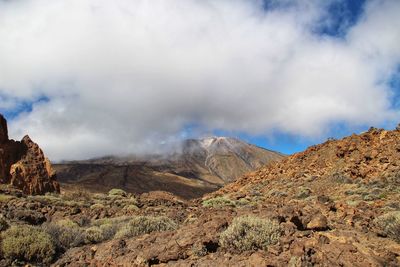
196, 167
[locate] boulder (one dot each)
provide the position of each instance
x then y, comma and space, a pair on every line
23, 165
318, 223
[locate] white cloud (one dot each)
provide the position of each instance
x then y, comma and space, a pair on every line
122, 74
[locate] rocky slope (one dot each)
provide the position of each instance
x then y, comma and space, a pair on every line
373, 156
196, 168
335, 204
23, 164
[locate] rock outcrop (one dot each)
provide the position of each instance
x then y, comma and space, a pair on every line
23, 164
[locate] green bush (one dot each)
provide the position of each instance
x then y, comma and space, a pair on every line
109, 227
27, 243
218, 202
93, 235
389, 225
67, 223
131, 208
144, 225
117, 192
97, 206
65, 234
5, 198
250, 233
123, 202
108, 231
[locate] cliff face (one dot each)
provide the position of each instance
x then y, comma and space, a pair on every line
23, 164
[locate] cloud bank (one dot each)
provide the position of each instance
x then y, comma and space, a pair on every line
119, 76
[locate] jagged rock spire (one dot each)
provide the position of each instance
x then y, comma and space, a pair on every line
23, 164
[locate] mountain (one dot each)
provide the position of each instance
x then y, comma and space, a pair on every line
334, 204
196, 167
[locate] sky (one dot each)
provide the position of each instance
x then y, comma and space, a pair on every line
87, 78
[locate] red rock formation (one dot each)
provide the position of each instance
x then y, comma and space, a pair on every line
23, 164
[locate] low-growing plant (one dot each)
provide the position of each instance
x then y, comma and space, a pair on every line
97, 206
144, 225
199, 250
218, 202
3, 223
104, 229
27, 243
389, 225
93, 235
47, 199
77, 195
131, 208
303, 192
117, 192
250, 233
243, 202
5, 198
67, 223
65, 234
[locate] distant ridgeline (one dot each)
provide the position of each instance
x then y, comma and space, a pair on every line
200, 166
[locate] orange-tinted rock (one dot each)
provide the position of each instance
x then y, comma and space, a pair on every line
23, 165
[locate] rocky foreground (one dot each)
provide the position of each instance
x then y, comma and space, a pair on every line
335, 204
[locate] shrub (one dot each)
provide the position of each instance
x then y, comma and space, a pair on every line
144, 225
108, 231
3, 223
93, 235
199, 250
218, 202
27, 243
79, 195
304, 192
131, 208
389, 225
5, 198
243, 202
250, 233
117, 192
67, 223
97, 206
123, 202
65, 234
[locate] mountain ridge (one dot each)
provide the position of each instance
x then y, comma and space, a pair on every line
196, 167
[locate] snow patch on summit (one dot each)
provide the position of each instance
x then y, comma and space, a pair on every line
207, 142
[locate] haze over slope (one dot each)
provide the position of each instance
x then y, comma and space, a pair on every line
200, 166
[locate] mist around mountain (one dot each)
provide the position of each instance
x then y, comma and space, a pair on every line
191, 169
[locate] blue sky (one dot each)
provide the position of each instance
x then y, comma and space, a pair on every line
86, 78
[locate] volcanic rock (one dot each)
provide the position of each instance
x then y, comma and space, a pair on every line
319, 222
23, 164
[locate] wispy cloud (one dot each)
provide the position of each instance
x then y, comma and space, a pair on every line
121, 74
